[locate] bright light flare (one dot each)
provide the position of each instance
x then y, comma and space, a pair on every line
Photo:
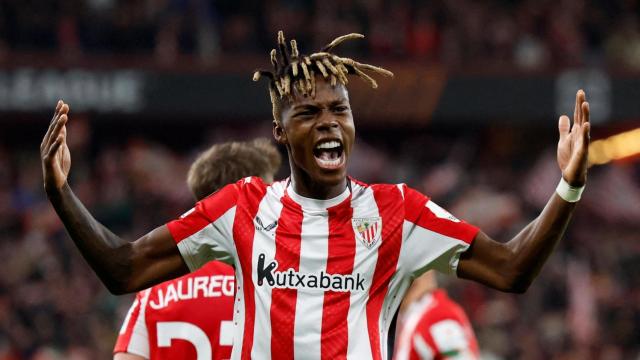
615, 147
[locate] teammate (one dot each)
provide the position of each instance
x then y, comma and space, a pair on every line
432, 326
322, 260
191, 317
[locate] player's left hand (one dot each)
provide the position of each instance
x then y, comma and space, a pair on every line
573, 146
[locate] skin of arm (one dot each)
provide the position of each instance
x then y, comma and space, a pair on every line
121, 265
513, 265
127, 356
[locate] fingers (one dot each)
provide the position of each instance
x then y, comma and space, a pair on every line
586, 133
58, 126
55, 146
585, 112
47, 135
564, 125
55, 113
61, 109
577, 111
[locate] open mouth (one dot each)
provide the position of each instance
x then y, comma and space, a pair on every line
329, 154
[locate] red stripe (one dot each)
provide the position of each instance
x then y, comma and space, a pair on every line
122, 344
243, 232
390, 207
283, 301
341, 256
416, 211
205, 212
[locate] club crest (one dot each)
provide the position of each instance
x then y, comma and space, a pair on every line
367, 230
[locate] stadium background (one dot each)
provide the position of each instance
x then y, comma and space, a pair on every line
470, 120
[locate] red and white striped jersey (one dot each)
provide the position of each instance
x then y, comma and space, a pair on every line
190, 317
436, 328
319, 279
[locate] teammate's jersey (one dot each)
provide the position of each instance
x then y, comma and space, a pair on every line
186, 318
436, 328
319, 279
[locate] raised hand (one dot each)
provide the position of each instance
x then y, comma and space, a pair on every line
573, 146
54, 152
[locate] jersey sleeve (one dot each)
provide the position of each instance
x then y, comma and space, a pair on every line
134, 337
432, 237
204, 233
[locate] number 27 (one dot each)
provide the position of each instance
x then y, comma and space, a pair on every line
169, 330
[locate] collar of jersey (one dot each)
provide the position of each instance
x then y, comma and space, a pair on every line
316, 204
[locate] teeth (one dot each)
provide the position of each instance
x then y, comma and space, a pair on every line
328, 145
330, 163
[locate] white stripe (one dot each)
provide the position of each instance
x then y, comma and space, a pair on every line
401, 188
238, 308
238, 314
364, 206
139, 343
397, 288
396, 291
264, 243
423, 249
213, 242
314, 251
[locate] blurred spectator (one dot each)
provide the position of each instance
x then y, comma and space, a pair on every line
526, 34
623, 45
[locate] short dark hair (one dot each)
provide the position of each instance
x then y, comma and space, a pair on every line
228, 162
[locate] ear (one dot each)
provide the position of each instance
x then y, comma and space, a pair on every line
279, 134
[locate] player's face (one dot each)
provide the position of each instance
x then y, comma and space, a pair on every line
319, 134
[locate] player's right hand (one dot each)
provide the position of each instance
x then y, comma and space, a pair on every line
54, 152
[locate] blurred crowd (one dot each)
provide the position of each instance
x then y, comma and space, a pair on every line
526, 34
585, 304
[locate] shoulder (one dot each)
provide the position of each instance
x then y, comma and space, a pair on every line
229, 194
215, 268
400, 191
250, 183
442, 308
254, 185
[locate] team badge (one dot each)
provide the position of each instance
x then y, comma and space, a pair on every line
367, 230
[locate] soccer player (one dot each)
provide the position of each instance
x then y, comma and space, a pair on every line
192, 317
322, 260
432, 326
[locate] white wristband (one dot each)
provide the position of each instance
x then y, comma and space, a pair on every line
567, 192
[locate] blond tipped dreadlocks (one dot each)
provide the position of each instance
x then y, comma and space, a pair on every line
291, 70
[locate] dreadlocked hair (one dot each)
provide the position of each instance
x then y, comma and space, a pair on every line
291, 70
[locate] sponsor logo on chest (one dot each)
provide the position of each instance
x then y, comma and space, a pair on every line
291, 279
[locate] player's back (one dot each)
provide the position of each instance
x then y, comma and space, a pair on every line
190, 317
436, 327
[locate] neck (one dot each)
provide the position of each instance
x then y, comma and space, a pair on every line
303, 185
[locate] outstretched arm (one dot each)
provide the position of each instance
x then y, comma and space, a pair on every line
513, 265
121, 265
